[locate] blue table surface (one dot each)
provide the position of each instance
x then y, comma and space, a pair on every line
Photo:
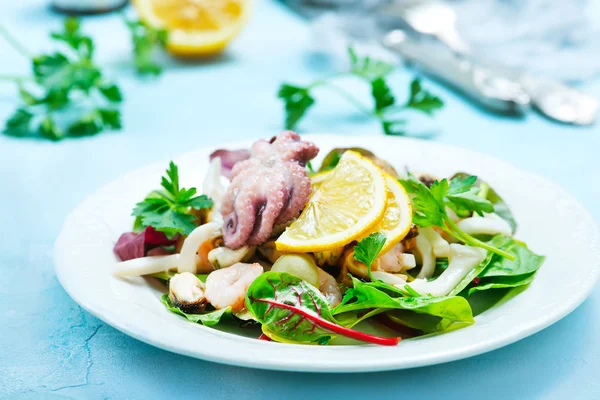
50, 347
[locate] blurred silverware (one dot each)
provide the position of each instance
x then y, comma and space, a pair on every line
87, 7
438, 20
495, 92
560, 102
429, 18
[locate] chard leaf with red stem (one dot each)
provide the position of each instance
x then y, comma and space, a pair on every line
295, 310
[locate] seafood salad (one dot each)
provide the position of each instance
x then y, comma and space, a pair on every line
352, 251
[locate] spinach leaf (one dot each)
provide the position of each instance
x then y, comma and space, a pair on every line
209, 319
500, 272
353, 318
450, 310
502, 282
525, 261
426, 323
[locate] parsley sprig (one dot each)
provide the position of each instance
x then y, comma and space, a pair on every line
368, 249
145, 39
299, 99
168, 210
460, 195
67, 94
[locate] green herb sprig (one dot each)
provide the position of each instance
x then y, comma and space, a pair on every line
168, 210
460, 195
67, 96
299, 99
368, 249
145, 39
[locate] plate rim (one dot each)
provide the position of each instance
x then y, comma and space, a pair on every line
477, 348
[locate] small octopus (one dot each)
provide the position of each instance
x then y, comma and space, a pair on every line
269, 189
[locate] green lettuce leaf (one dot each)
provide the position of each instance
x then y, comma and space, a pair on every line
209, 319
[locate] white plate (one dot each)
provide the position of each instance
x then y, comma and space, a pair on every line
550, 221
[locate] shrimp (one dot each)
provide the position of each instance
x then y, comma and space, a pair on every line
395, 260
227, 287
330, 289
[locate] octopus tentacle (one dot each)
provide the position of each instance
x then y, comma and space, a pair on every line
275, 199
238, 225
300, 184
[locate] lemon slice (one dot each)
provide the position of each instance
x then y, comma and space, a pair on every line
397, 218
196, 27
318, 178
348, 203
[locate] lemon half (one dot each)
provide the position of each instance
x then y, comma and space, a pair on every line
196, 27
